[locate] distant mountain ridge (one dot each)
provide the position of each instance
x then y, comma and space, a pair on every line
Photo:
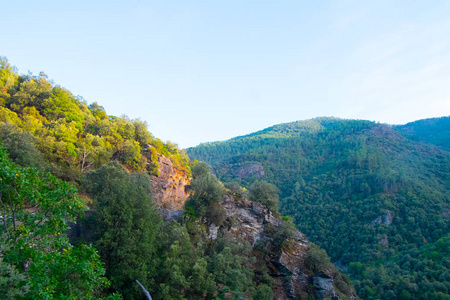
434, 131
339, 179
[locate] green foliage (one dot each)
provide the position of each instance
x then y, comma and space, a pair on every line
21, 146
343, 180
414, 274
317, 258
182, 267
7, 116
236, 190
264, 292
74, 137
205, 191
13, 284
230, 262
284, 232
35, 209
8, 80
201, 169
266, 194
434, 131
124, 226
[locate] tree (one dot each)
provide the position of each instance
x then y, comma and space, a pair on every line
266, 194
206, 190
317, 258
264, 292
200, 169
35, 208
21, 146
124, 226
8, 80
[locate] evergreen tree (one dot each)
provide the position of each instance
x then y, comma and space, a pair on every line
125, 226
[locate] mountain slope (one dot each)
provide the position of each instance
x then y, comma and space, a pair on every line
434, 131
359, 189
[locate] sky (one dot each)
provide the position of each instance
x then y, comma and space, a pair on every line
203, 71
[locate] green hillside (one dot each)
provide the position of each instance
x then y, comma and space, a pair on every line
361, 190
44, 124
434, 131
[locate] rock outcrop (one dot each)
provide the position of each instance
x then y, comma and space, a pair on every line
385, 219
288, 267
253, 169
171, 186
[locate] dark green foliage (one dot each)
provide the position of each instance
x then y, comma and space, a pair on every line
344, 182
284, 232
230, 263
215, 214
182, 269
201, 169
21, 146
13, 284
264, 292
266, 194
205, 191
317, 258
415, 274
125, 226
434, 131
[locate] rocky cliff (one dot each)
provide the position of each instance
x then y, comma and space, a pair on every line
171, 186
289, 264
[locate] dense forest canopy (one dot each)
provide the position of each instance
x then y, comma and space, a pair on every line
434, 131
72, 136
367, 194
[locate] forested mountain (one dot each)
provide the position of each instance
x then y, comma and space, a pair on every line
63, 161
434, 131
377, 201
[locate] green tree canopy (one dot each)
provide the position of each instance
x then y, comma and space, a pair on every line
35, 208
124, 226
266, 194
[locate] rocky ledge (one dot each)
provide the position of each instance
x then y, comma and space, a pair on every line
288, 264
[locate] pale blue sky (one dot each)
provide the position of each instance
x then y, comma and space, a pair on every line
201, 71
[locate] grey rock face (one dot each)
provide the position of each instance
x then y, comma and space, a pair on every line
247, 219
385, 219
255, 169
171, 215
287, 266
324, 286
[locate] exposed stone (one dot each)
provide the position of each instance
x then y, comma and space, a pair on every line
171, 186
383, 241
253, 169
251, 221
385, 219
171, 215
324, 286
446, 213
213, 230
